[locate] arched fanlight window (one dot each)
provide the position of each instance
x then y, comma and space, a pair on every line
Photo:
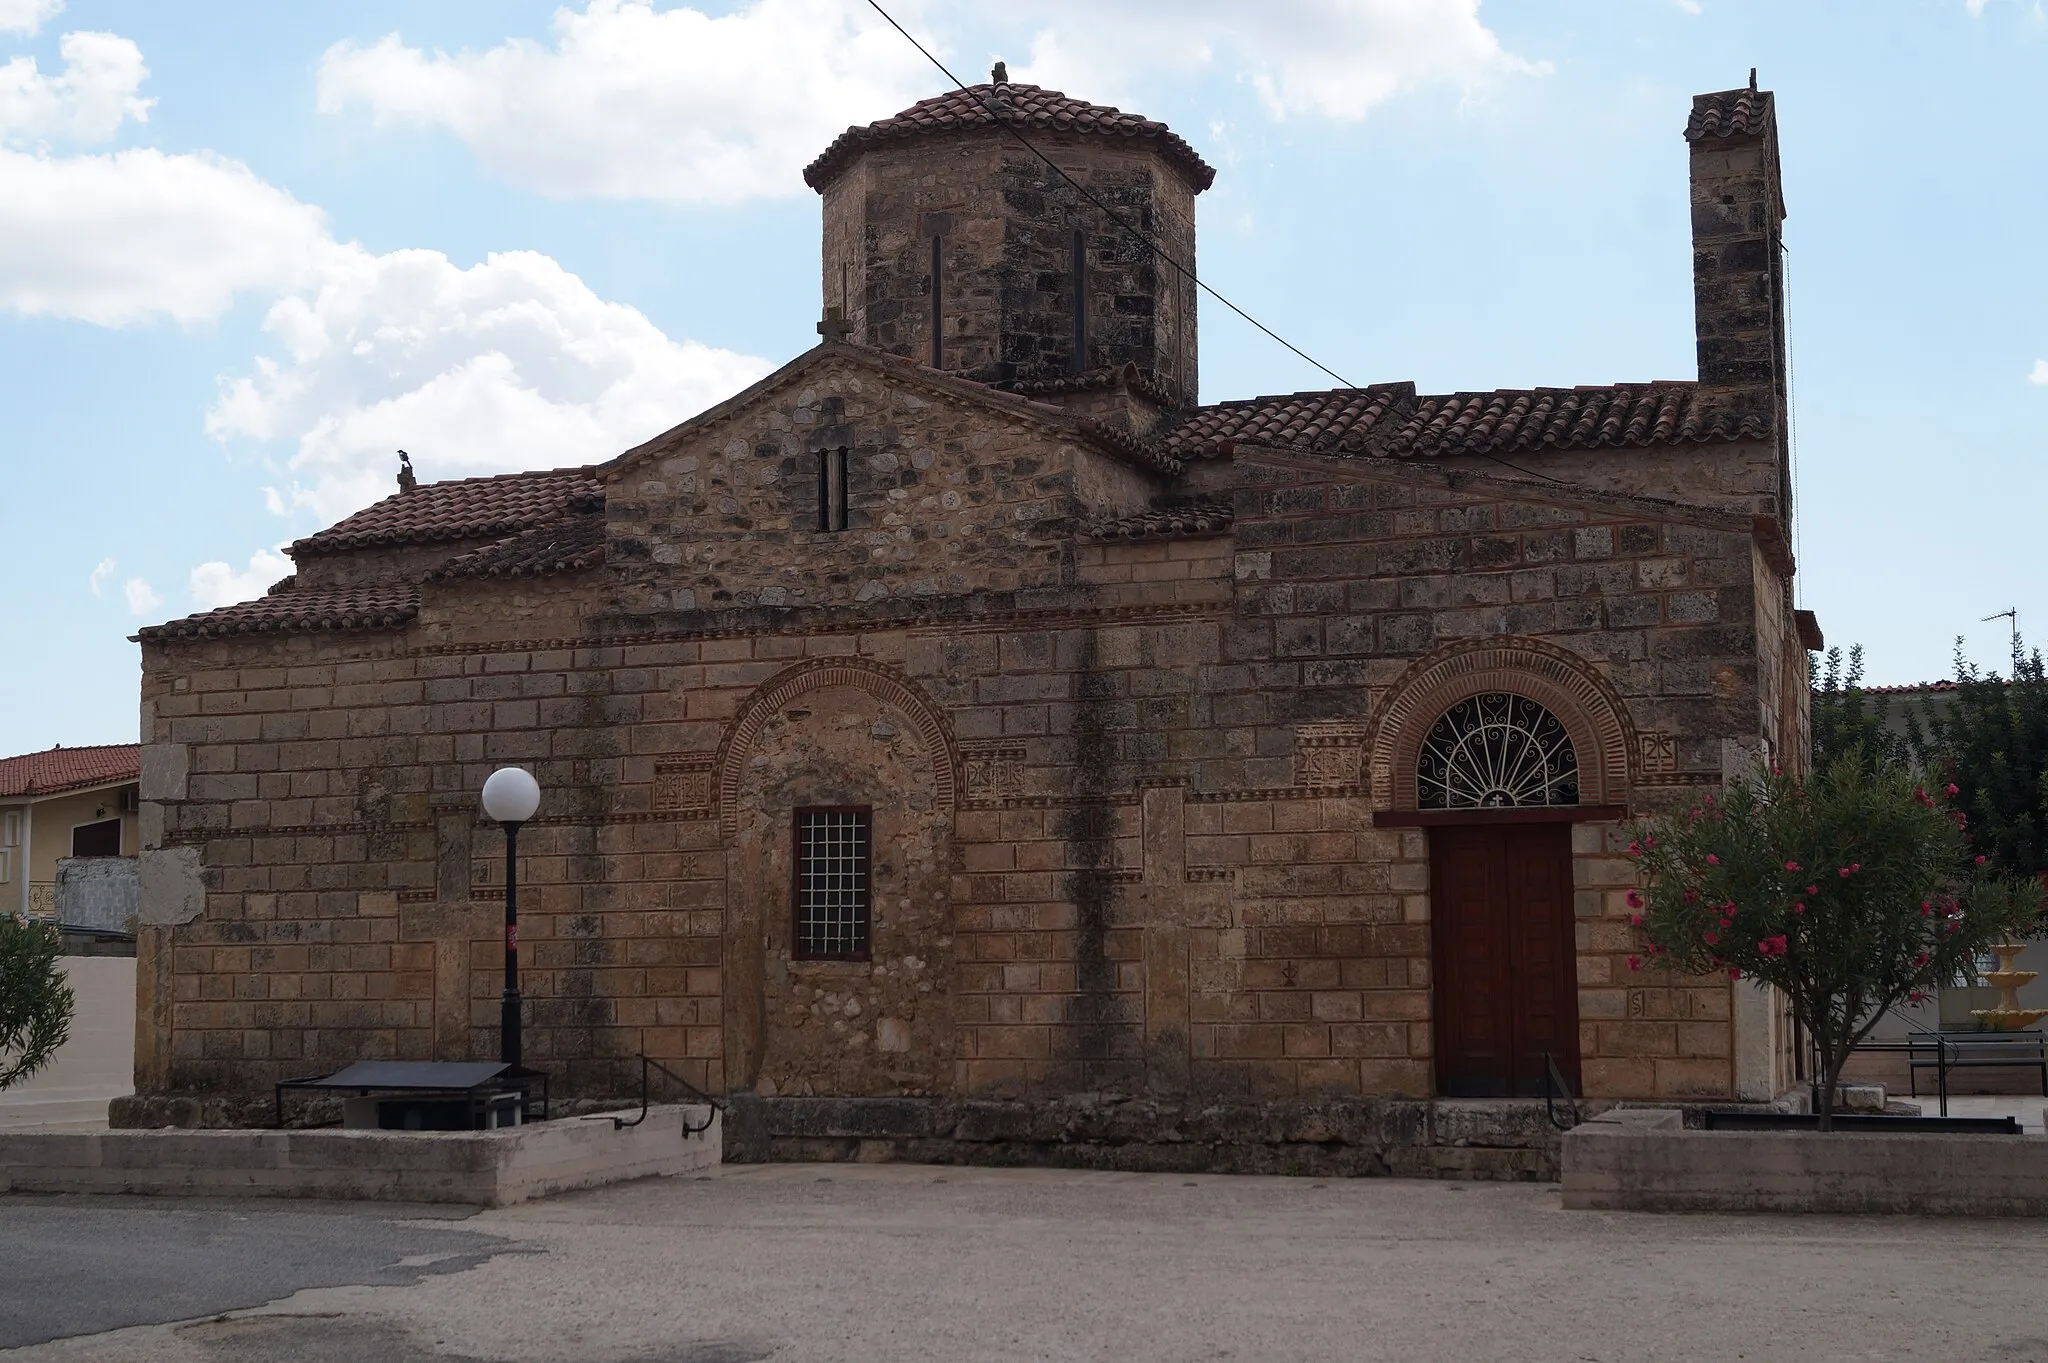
1496, 751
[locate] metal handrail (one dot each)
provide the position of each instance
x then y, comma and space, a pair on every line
1554, 1087
717, 1108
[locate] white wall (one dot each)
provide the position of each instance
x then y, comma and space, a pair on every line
97, 1064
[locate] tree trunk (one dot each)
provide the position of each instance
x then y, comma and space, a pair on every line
1831, 1082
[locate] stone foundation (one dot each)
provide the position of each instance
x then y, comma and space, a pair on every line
1494, 1140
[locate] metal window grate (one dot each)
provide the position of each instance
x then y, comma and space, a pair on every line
832, 882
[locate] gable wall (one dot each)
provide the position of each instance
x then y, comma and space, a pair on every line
945, 497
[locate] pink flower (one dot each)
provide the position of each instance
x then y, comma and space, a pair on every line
1710, 938
1635, 920
1917, 996
1791, 865
1635, 899
1846, 872
1925, 908
1952, 789
1980, 861
1733, 973
1772, 946
1799, 908
1922, 959
1691, 896
1713, 860
1708, 801
1635, 963
1813, 889
1635, 849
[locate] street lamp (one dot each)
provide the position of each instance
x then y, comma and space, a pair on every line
510, 797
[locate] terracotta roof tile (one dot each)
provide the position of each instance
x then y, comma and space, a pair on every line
1392, 422
564, 546
62, 769
1729, 113
1340, 421
1186, 521
1027, 108
463, 508
291, 609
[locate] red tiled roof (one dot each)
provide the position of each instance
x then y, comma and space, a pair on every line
1186, 521
1391, 422
463, 508
1341, 421
1027, 108
564, 546
62, 769
1729, 113
291, 609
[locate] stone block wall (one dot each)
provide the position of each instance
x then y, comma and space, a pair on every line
1005, 225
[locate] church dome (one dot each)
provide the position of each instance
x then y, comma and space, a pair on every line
1028, 108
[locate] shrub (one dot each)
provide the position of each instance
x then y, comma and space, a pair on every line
1851, 891
35, 1003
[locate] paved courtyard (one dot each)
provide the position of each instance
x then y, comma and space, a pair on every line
829, 1262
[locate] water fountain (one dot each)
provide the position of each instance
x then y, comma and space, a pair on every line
2008, 1016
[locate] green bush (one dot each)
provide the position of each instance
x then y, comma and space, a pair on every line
35, 1003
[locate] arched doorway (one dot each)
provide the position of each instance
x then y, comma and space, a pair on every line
1504, 955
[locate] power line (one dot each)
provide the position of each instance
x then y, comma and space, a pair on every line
1105, 209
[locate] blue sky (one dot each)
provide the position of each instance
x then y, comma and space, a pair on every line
248, 249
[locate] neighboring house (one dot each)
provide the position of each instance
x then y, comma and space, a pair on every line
64, 802
968, 711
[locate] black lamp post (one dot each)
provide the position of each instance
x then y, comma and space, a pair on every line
510, 797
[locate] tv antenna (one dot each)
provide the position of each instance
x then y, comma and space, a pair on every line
2012, 614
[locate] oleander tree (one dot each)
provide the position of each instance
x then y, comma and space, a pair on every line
1852, 890
35, 1002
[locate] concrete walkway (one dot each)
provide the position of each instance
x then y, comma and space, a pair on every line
898, 1262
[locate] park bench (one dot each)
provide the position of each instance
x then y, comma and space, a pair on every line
1943, 1052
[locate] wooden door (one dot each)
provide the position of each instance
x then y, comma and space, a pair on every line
1505, 963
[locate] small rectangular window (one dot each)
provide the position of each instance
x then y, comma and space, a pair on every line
832, 890
831, 490
10, 830
6, 864
1080, 266
101, 839
938, 302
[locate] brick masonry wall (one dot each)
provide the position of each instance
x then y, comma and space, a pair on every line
1125, 834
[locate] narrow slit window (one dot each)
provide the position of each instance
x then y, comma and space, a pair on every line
832, 889
832, 490
938, 302
1080, 272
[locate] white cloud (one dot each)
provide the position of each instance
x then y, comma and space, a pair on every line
218, 584
1333, 59
1694, 6
2040, 373
510, 364
100, 573
26, 16
86, 102
629, 102
119, 237
141, 600
625, 101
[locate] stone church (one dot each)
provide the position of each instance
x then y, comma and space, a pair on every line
966, 743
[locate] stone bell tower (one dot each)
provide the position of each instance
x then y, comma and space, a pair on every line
951, 242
